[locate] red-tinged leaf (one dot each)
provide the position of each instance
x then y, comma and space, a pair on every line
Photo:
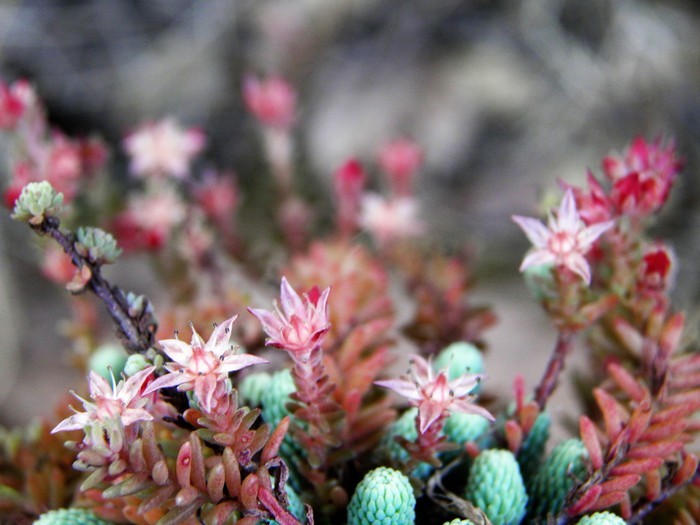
639, 421
519, 392
528, 415
653, 490
156, 499
585, 502
183, 465
215, 483
94, 479
151, 451
671, 334
626, 507
611, 414
675, 412
220, 514
232, 472
136, 460
130, 485
198, 471
637, 466
186, 496
248, 520
589, 436
179, 514
629, 336
665, 430
282, 516
472, 449
683, 380
662, 449
607, 500
514, 436
160, 473
595, 310
271, 448
682, 398
249, 492
687, 469
620, 483
686, 364
627, 383
259, 439
684, 518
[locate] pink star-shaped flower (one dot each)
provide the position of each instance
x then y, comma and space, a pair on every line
564, 241
434, 394
123, 401
201, 366
300, 324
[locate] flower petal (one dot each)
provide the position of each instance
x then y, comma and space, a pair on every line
402, 387
166, 381
177, 350
235, 362
537, 258
533, 229
291, 302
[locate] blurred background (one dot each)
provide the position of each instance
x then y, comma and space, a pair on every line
505, 97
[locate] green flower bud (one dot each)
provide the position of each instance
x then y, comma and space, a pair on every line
70, 517
458, 521
496, 487
558, 474
383, 497
97, 245
252, 388
532, 450
106, 357
461, 357
601, 518
37, 201
135, 363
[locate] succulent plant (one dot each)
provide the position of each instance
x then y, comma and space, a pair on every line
602, 518
37, 201
461, 357
557, 475
496, 487
70, 517
383, 497
252, 388
404, 426
532, 450
97, 245
458, 521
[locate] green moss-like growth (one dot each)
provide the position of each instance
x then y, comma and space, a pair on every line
461, 357
602, 518
383, 497
70, 517
404, 426
252, 388
557, 475
496, 486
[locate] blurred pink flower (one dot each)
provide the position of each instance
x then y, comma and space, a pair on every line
200, 366
163, 148
390, 219
564, 241
400, 159
123, 401
300, 325
11, 106
435, 395
272, 101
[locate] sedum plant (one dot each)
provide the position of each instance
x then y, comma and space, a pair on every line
300, 413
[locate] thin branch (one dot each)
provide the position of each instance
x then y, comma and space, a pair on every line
643, 510
549, 380
137, 338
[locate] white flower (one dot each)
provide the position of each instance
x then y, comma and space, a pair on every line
564, 241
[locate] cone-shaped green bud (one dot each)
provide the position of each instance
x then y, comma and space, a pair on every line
404, 426
274, 399
252, 388
108, 357
461, 428
602, 518
70, 517
37, 201
532, 450
461, 357
496, 487
458, 521
97, 245
383, 497
557, 475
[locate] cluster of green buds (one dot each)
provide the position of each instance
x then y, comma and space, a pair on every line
96, 245
70, 517
37, 201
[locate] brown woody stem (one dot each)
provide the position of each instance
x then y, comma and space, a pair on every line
549, 380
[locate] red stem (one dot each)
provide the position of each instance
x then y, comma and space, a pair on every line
549, 380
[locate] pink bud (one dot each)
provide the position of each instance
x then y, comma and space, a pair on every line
272, 101
400, 160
